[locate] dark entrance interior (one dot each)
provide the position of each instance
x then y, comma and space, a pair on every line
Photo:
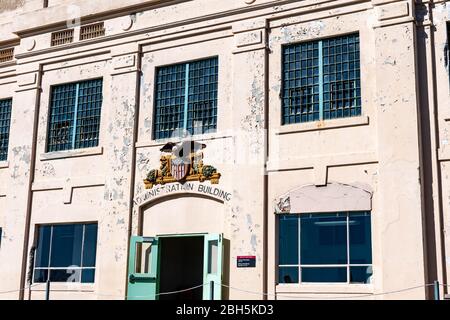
181, 267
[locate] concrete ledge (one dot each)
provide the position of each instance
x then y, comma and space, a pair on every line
71, 153
313, 288
324, 124
4, 164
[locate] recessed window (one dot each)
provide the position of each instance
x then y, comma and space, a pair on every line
325, 247
66, 253
5, 121
92, 31
6, 55
186, 98
62, 37
321, 80
74, 118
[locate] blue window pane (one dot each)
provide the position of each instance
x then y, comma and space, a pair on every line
65, 275
43, 247
361, 274
360, 238
90, 245
88, 276
324, 274
40, 275
5, 121
288, 274
323, 239
288, 239
66, 245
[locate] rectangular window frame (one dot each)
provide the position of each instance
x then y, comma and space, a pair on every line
316, 104
347, 265
188, 106
5, 127
72, 135
49, 269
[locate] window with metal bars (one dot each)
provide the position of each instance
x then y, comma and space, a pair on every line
6, 55
74, 117
62, 37
321, 80
5, 121
186, 98
92, 31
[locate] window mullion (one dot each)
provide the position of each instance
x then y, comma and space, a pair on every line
348, 247
320, 81
299, 251
75, 116
186, 97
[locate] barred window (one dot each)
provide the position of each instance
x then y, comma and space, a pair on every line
5, 121
62, 37
186, 98
92, 31
6, 55
74, 119
321, 80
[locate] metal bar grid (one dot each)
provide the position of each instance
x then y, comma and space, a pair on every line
202, 100
6, 55
92, 31
321, 80
300, 95
5, 122
74, 120
341, 77
169, 100
61, 37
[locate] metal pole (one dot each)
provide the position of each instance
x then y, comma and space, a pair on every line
47, 290
211, 287
436, 290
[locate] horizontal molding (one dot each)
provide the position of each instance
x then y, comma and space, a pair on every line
323, 125
331, 160
74, 182
160, 143
4, 164
71, 153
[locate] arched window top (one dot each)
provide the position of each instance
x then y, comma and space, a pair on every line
333, 197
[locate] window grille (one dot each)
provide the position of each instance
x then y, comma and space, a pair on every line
186, 98
62, 37
74, 119
5, 121
321, 80
6, 55
92, 31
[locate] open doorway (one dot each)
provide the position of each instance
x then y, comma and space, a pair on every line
181, 267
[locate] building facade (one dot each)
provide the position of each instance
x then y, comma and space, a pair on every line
241, 149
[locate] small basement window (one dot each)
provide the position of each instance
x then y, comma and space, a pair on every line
6, 54
62, 37
92, 31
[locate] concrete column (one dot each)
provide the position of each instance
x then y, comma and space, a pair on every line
18, 197
249, 114
119, 150
400, 229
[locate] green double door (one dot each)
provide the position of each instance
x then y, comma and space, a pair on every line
144, 266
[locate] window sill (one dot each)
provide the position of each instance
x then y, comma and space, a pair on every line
341, 288
324, 125
4, 164
200, 137
64, 286
71, 153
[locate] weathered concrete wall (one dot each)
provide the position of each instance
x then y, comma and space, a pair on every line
378, 151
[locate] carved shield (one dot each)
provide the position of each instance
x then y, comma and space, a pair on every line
179, 169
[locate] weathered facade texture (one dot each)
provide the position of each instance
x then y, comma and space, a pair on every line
390, 159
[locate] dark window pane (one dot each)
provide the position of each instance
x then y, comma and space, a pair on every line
90, 245
43, 246
323, 239
65, 275
40, 275
360, 238
324, 274
88, 276
288, 236
66, 245
361, 274
288, 274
